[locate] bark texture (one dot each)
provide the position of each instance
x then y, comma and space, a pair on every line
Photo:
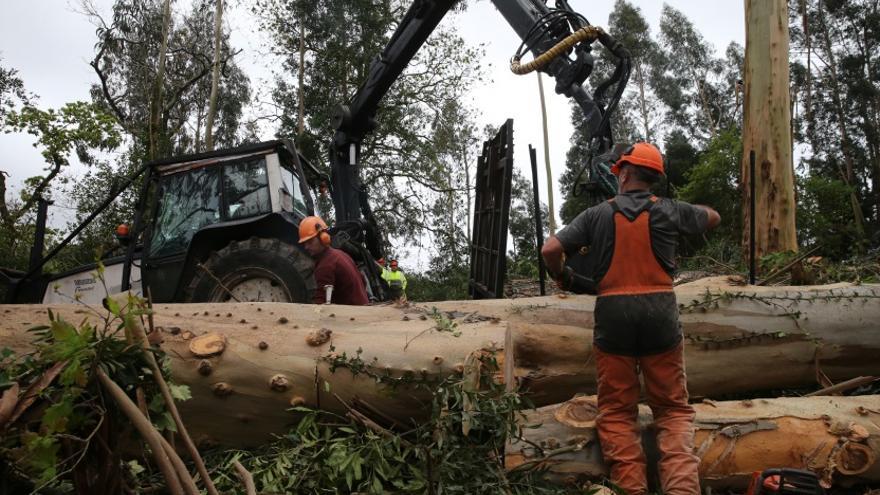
838, 438
767, 127
248, 363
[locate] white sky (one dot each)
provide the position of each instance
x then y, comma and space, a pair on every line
50, 44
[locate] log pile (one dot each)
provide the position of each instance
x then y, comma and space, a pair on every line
248, 364
835, 437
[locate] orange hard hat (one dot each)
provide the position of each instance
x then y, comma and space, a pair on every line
310, 227
393, 263
381, 261
122, 230
641, 154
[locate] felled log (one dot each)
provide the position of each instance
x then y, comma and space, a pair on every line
737, 339
248, 364
836, 437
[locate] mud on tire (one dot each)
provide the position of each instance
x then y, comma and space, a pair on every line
254, 270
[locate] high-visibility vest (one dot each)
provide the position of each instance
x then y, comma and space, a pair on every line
396, 280
634, 267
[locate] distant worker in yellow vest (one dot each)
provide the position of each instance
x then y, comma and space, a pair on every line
396, 281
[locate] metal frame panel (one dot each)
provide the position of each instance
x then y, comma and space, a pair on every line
491, 216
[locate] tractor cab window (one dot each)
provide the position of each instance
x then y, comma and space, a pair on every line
246, 189
291, 193
188, 201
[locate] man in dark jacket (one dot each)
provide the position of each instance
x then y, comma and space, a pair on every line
632, 240
337, 278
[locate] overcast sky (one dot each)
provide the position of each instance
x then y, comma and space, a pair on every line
50, 44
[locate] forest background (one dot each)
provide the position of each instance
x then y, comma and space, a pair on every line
683, 94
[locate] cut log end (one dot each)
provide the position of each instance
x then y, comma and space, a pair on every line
579, 412
207, 345
855, 458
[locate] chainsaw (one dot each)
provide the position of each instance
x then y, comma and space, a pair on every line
784, 481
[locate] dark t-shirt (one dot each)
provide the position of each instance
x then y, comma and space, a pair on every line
334, 267
644, 324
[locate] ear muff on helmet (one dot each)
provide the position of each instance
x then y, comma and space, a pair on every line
323, 235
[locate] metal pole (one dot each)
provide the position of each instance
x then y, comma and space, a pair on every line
539, 231
85, 222
752, 202
39, 234
135, 231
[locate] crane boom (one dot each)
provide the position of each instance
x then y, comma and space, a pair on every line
539, 26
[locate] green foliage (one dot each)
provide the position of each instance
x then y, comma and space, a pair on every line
822, 203
326, 453
523, 257
77, 126
714, 182
431, 286
416, 159
127, 62
79, 429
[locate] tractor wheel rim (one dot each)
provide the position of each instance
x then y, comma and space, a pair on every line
258, 289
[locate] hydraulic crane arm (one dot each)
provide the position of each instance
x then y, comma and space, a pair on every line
553, 35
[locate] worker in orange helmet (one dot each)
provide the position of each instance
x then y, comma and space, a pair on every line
632, 241
337, 277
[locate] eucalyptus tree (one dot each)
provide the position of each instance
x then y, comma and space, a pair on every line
836, 82
153, 67
340, 41
691, 81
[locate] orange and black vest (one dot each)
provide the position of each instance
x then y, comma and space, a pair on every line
634, 267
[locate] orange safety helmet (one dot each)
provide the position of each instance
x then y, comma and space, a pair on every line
311, 227
641, 154
393, 263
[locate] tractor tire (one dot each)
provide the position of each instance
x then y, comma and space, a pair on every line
264, 270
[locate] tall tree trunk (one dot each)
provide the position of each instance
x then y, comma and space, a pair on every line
156, 105
552, 219
835, 437
643, 104
300, 92
215, 77
845, 143
767, 128
470, 199
808, 104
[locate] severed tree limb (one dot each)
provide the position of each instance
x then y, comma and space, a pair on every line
189, 485
843, 386
36, 388
147, 431
246, 478
7, 403
136, 328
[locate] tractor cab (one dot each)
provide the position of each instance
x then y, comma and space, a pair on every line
218, 226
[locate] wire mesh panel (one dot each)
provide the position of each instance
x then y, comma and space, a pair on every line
491, 215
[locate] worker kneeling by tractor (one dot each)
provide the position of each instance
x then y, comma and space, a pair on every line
337, 278
630, 243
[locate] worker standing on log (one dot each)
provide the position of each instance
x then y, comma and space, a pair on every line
632, 240
337, 278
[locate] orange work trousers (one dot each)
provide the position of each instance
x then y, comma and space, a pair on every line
666, 390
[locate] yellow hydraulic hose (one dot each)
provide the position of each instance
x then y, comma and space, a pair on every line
588, 33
